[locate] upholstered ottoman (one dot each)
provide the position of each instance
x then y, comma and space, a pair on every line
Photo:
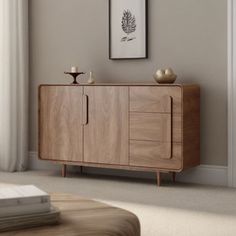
82, 217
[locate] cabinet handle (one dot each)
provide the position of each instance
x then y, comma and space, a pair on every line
167, 104
85, 109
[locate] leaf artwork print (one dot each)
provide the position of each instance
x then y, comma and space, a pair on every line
128, 24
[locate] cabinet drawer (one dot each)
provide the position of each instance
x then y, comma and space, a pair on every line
152, 154
150, 126
155, 99
155, 127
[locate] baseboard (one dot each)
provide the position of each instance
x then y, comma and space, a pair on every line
203, 174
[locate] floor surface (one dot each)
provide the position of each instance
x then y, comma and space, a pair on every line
173, 209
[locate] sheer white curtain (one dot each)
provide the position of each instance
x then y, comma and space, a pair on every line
13, 84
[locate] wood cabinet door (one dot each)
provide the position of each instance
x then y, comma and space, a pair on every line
106, 131
60, 123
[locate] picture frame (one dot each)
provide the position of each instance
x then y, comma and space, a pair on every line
128, 24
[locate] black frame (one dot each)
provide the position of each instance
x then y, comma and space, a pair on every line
146, 35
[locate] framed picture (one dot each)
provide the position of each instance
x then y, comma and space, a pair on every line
127, 29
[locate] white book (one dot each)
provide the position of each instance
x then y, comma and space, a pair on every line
22, 195
26, 209
28, 221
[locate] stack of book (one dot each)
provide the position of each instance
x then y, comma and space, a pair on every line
24, 207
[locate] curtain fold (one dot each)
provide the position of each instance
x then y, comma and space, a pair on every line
13, 85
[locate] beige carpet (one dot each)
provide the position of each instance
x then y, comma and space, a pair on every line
180, 209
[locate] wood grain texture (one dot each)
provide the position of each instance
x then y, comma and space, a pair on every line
154, 99
150, 154
116, 114
60, 123
191, 126
82, 217
121, 167
106, 134
151, 126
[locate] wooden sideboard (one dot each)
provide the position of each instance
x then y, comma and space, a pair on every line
145, 127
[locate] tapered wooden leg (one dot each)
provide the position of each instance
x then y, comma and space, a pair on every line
81, 169
174, 177
63, 171
158, 178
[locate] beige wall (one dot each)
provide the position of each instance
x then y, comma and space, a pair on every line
188, 35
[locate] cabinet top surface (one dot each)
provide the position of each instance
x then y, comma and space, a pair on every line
123, 84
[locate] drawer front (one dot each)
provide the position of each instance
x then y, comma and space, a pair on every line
155, 99
155, 127
150, 126
150, 154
